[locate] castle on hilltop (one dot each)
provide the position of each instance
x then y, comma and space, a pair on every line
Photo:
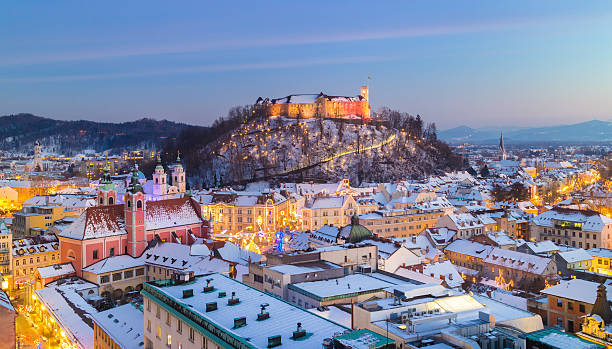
309, 106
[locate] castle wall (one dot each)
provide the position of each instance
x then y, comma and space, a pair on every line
324, 108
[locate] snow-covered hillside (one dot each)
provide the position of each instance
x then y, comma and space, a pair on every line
320, 149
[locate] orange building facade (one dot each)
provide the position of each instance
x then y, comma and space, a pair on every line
307, 106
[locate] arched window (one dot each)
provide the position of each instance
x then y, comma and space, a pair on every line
101, 200
111, 200
156, 180
129, 203
139, 204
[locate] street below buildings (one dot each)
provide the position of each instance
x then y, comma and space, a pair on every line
29, 335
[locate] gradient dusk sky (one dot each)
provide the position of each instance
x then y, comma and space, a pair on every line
478, 63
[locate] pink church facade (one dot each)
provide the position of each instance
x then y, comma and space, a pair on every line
111, 229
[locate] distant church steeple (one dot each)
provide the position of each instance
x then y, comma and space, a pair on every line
502, 147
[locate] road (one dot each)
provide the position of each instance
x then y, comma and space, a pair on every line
28, 335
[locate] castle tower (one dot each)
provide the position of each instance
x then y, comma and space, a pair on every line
160, 186
502, 147
365, 106
134, 212
178, 175
37, 164
107, 195
365, 93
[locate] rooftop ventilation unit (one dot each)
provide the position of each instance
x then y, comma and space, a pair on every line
188, 293
211, 306
274, 341
234, 300
240, 322
300, 332
208, 288
264, 314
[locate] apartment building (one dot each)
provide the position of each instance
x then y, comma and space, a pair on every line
119, 328
235, 212
215, 311
576, 228
334, 211
570, 301
392, 223
31, 253
31, 220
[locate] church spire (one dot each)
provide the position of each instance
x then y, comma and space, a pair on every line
502, 147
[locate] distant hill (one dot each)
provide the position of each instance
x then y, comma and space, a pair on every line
593, 131
19, 132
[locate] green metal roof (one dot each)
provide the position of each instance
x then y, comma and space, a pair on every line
364, 337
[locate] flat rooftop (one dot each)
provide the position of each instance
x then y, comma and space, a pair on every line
347, 285
282, 321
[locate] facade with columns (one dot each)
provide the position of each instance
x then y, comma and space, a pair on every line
112, 229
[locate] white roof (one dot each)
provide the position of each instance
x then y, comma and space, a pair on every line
124, 324
470, 248
577, 255
518, 260
303, 268
444, 269
341, 286
283, 315
577, 289
62, 302
593, 222
114, 263
56, 270
545, 246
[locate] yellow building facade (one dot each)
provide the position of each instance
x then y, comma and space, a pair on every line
232, 212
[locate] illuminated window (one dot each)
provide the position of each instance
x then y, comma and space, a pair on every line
169, 342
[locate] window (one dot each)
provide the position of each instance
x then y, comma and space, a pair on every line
95, 254
581, 308
129, 204
112, 251
570, 305
191, 335
157, 314
128, 274
169, 342
560, 322
104, 279
559, 303
139, 271
149, 325
116, 276
204, 343
158, 332
167, 318
111, 200
139, 204
179, 326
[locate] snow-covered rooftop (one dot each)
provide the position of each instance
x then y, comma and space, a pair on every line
282, 321
124, 324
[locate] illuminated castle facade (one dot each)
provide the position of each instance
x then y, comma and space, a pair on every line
307, 106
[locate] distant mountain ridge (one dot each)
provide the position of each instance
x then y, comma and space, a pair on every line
19, 132
593, 131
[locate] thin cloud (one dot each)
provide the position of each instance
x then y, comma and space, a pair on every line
274, 42
203, 69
